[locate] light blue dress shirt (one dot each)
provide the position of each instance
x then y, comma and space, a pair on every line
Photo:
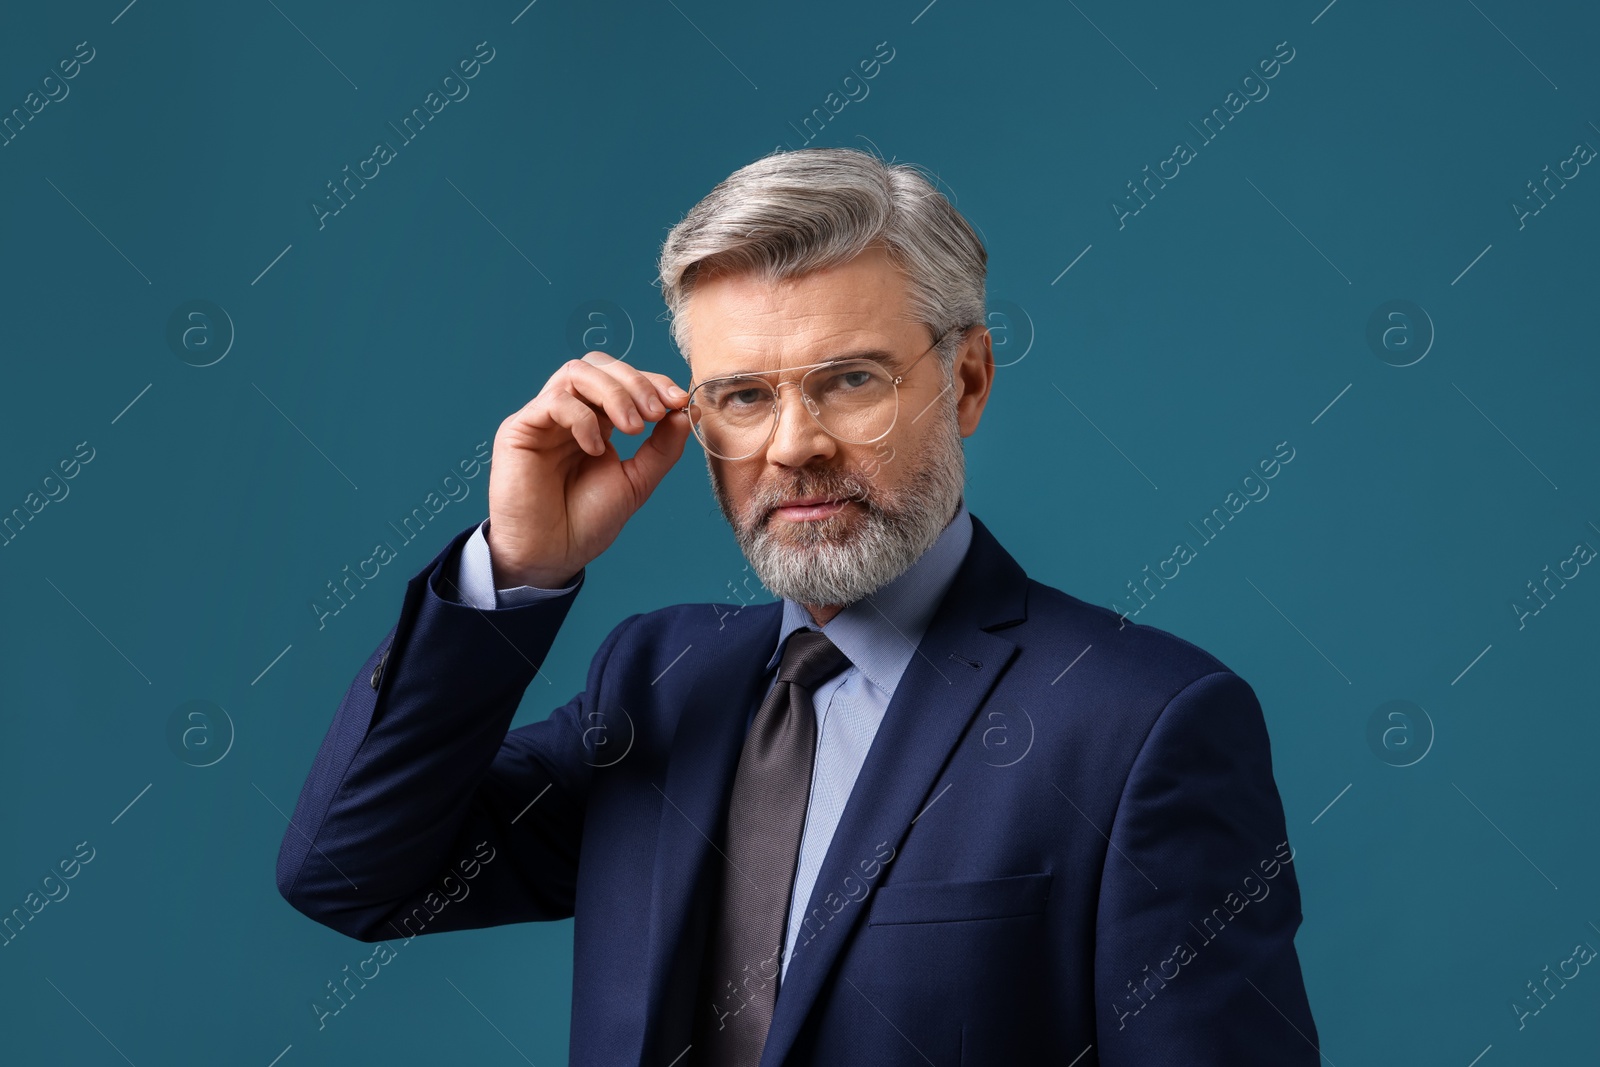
879, 635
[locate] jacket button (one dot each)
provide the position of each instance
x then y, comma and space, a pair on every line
377, 672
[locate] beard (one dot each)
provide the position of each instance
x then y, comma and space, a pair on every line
869, 542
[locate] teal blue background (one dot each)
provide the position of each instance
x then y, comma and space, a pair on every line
379, 350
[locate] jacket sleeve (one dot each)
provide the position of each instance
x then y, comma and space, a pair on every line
1195, 960
421, 812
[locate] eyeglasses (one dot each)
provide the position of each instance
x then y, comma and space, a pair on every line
853, 400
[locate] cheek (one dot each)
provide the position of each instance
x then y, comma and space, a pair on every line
868, 463
861, 457
736, 481
892, 454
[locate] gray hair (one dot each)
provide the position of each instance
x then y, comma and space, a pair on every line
794, 212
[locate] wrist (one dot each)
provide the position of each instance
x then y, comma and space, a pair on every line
532, 579
507, 576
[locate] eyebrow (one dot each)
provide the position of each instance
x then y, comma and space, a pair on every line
877, 355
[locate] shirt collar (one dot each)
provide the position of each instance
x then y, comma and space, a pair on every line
880, 633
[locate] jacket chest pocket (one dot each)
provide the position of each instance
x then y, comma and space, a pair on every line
899, 903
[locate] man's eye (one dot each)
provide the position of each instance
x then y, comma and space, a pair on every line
746, 397
848, 381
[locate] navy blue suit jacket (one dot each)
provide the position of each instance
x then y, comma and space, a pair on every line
1035, 864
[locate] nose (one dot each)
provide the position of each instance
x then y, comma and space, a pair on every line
798, 439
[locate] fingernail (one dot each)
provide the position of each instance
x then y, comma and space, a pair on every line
654, 406
675, 391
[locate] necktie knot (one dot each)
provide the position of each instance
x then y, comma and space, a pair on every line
810, 658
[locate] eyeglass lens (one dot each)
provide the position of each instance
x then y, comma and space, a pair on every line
855, 401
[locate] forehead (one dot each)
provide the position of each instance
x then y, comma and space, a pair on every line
738, 322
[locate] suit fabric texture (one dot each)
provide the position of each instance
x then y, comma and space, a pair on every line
1065, 845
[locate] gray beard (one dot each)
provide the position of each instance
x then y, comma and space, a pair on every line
828, 562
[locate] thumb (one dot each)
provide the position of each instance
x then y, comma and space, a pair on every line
664, 447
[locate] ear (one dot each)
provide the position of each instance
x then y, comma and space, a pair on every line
973, 375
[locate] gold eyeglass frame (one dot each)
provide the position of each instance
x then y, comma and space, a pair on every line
810, 404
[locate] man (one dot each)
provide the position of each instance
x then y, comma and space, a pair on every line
924, 810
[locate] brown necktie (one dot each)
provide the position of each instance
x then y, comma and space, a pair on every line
739, 985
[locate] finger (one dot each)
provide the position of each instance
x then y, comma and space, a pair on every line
651, 392
656, 455
532, 414
567, 410
670, 391
592, 384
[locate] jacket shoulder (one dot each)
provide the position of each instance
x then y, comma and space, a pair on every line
701, 636
1135, 651
704, 619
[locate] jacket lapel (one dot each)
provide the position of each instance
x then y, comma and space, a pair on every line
956, 665
694, 795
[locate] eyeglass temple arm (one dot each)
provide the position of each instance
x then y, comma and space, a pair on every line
898, 378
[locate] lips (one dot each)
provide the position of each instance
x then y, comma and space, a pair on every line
809, 508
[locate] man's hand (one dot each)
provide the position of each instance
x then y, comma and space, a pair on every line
558, 492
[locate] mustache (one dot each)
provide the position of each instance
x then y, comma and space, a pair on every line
842, 484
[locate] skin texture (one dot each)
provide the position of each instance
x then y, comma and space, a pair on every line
559, 494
